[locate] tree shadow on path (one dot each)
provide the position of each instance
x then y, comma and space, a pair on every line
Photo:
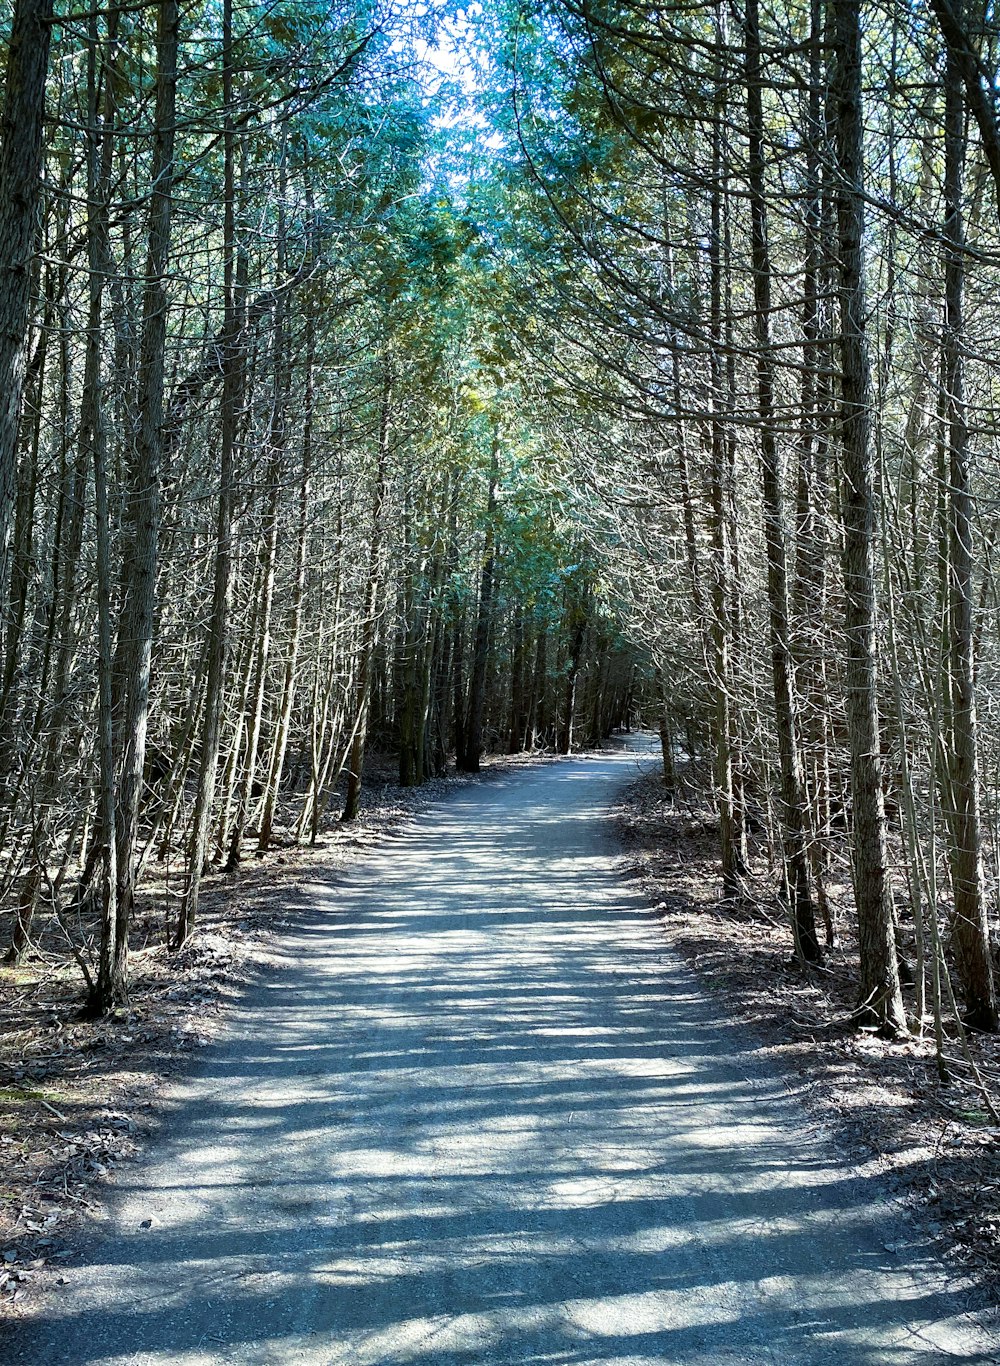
483, 1116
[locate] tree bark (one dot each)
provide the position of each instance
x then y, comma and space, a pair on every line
785, 707
111, 988
20, 199
881, 1000
970, 933
471, 753
369, 624
577, 615
720, 644
298, 597
967, 64
276, 453
809, 599
232, 399
142, 508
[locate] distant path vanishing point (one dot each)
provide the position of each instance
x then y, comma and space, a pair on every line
483, 1115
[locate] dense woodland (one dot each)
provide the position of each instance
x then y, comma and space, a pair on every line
430, 381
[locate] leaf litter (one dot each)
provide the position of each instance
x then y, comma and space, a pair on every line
933, 1146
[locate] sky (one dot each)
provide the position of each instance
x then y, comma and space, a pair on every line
455, 42
450, 56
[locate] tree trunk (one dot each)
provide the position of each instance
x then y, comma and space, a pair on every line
369, 624
112, 980
812, 496
142, 508
276, 450
262, 653
516, 738
471, 753
232, 399
719, 647
20, 197
298, 596
785, 709
970, 933
578, 628
881, 999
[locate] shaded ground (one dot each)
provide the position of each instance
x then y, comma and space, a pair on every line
480, 1113
77, 1097
935, 1145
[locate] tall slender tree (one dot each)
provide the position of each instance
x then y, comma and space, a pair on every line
881, 996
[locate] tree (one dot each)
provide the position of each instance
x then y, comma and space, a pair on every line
971, 934
881, 998
136, 622
785, 703
20, 197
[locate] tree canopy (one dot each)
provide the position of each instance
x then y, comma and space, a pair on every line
429, 380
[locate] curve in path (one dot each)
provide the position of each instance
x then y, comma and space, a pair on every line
484, 1116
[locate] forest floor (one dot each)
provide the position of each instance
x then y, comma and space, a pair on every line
478, 1110
935, 1145
77, 1095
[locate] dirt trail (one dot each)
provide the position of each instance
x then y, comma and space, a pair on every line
482, 1115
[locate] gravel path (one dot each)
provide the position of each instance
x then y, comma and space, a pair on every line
483, 1116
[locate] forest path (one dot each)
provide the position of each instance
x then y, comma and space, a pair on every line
484, 1116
